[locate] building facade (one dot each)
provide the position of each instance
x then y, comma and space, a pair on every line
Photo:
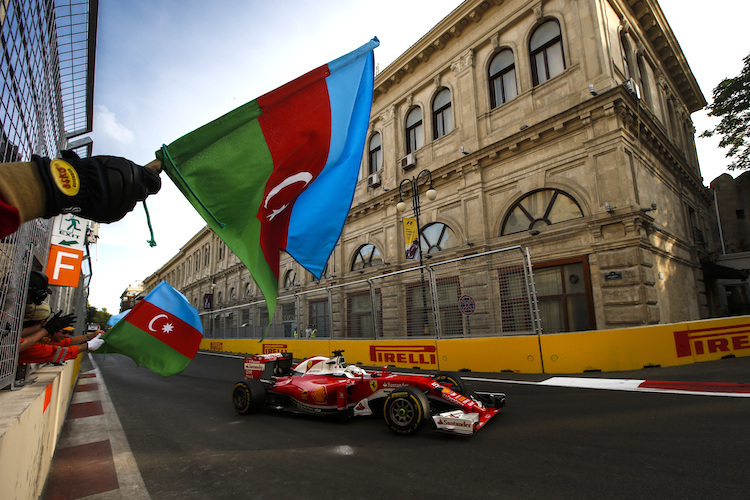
727, 268
560, 127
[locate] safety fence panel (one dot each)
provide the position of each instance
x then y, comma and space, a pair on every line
484, 295
489, 294
19, 253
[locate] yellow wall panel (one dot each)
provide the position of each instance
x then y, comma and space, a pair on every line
517, 354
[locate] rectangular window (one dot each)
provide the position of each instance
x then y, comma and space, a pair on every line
319, 318
361, 321
564, 294
514, 301
420, 319
289, 318
451, 319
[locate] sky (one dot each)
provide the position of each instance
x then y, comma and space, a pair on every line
166, 67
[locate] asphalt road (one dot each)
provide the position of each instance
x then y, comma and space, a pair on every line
548, 442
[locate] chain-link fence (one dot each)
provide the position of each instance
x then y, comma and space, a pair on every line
46, 101
483, 295
19, 253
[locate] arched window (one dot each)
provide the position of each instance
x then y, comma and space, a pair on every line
539, 209
376, 154
324, 275
546, 47
290, 279
442, 117
643, 66
218, 298
627, 57
232, 294
502, 78
367, 256
414, 134
437, 237
248, 290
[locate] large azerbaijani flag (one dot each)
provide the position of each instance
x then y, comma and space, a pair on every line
279, 172
162, 332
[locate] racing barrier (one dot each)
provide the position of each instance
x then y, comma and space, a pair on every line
477, 313
601, 350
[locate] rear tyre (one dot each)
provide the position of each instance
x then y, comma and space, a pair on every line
451, 381
248, 396
406, 410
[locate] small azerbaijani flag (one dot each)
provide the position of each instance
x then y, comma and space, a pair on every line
279, 172
161, 332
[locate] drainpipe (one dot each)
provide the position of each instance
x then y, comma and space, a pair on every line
718, 219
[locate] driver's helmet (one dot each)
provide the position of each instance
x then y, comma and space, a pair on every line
354, 370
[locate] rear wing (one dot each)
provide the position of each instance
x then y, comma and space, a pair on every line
267, 366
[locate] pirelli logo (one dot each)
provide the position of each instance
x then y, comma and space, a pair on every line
712, 340
272, 348
411, 354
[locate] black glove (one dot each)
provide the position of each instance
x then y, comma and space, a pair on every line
99, 188
57, 322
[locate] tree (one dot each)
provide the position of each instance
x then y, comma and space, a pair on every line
94, 315
731, 102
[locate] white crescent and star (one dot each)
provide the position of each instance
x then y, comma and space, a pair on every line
167, 328
304, 177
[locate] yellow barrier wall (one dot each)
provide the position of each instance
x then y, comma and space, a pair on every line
658, 345
517, 354
604, 350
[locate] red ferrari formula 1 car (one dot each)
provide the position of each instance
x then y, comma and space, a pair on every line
329, 386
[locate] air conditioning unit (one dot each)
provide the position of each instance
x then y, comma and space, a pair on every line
632, 87
409, 161
373, 180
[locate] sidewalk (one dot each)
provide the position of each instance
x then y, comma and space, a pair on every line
93, 459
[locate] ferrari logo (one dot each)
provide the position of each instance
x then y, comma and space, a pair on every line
374, 385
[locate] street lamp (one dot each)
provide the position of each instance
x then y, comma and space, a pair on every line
423, 178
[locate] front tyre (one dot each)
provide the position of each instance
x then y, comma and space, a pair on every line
406, 410
248, 396
451, 381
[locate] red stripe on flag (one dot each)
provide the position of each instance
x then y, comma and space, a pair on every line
697, 386
166, 327
296, 124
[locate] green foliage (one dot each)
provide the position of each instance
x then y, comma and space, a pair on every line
94, 315
731, 102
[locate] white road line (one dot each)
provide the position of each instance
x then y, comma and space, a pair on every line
612, 384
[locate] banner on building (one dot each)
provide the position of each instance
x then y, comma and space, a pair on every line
411, 238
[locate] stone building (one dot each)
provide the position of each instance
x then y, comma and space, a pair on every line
563, 127
130, 296
727, 268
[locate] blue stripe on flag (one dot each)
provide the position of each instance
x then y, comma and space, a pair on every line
320, 211
170, 300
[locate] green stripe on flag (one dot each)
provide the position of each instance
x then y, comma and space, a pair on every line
125, 338
229, 152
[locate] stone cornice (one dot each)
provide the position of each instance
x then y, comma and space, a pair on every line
435, 40
656, 29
